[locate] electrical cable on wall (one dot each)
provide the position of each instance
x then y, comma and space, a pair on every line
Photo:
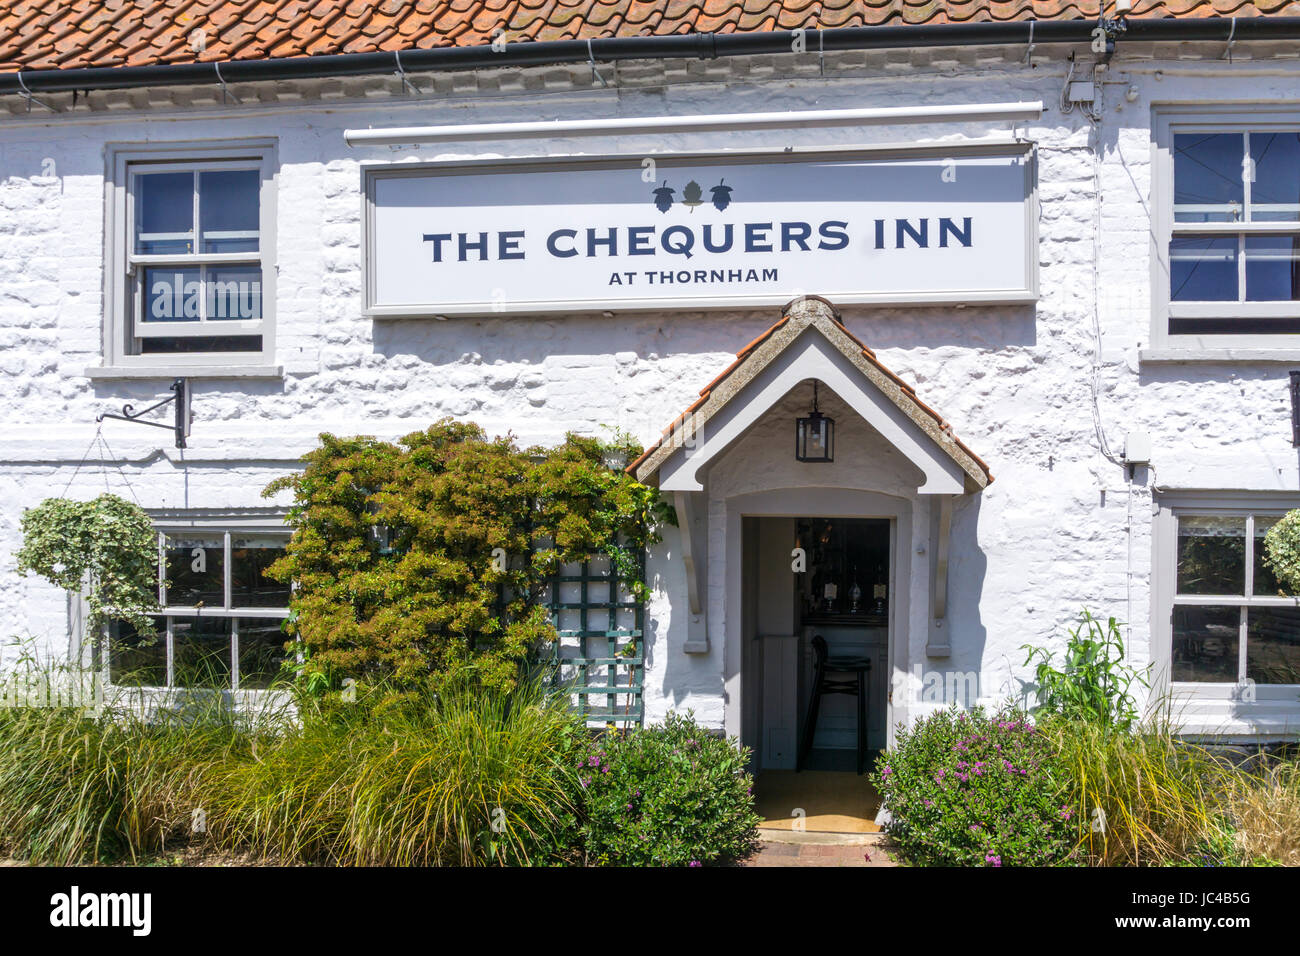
1066, 105
1094, 111
1095, 378
1095, 114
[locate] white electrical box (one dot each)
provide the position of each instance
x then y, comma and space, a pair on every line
1137, 448
1082, 91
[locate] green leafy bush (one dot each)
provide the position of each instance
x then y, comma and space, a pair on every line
412, 559
1282, 551
667, 795
973, 789
1093, 683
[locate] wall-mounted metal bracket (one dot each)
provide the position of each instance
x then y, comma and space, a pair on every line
591, 61
226, 95
409, 88
26, 94
180, 396
1232, 38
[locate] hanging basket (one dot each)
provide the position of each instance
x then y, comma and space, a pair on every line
106, 547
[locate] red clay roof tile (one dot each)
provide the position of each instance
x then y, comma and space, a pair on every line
51, 34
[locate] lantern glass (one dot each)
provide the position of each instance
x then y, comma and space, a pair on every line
815, 438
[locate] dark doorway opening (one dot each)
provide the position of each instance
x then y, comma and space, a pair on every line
811, 581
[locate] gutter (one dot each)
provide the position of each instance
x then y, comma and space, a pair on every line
704, 46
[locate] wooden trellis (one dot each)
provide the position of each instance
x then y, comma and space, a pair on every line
600, 653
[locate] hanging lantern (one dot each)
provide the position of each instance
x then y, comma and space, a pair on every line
814, 436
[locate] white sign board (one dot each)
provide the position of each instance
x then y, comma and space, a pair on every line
700, 232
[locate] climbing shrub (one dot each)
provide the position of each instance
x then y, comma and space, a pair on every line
412, 559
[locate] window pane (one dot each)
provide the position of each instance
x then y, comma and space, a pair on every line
1265, 582
1207, 177
1211, 555
1275, 192
261, 651
228, 210
249, 585
137, 660
1203, 269
195, 571
200, 343
1234, 326
1273, 645
234, 292
1205, 644
171, 294
164, 213
201, 651
1272, 268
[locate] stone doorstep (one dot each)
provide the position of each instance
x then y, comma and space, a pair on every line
818, 838
851, 849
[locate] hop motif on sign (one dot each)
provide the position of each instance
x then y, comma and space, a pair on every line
692, 195
664, 197
721, 195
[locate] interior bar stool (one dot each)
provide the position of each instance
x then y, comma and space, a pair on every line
836, 675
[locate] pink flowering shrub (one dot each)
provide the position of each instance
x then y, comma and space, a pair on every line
975, 789
671, 794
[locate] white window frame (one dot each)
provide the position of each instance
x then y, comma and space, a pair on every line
1168, 120
227, 527
120, 307
1164, 595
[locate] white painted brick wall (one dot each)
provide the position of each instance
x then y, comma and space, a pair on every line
1013, 381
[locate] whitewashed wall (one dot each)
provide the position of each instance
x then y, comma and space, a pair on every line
1048, 537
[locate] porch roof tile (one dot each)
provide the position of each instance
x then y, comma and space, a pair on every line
975, 467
